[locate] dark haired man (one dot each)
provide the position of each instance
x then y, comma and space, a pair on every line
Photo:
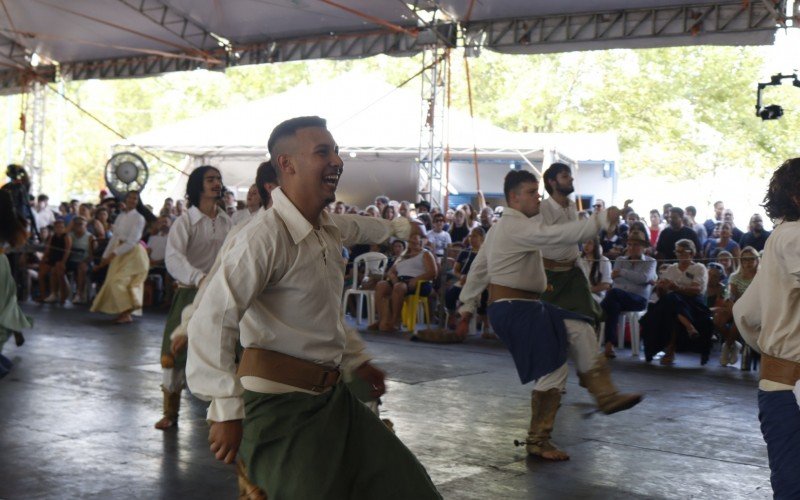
192, 246
538, 334
700, 229
438, 238
768, 317
568, 287
709, 224
756, 236
665, 248
278, 289
123, 290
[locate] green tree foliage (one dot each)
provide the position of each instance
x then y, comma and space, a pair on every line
679, 112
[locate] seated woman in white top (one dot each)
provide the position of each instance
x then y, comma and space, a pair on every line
680, 320
597, 269
416, 264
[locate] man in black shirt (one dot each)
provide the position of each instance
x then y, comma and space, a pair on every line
665, 249
756, 237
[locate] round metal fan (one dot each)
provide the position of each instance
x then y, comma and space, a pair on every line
125, 172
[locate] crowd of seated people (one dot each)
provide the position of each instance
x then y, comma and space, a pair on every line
690, 300
705, 266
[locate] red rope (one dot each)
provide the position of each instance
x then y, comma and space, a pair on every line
373, 19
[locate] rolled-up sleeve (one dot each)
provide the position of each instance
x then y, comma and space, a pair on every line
214, 328
534, 233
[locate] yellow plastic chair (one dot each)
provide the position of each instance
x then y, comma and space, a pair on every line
411, 306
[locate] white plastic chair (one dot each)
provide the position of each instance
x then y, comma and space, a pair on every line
373, 263
632, 318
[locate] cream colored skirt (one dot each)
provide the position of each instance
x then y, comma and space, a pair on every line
123, 289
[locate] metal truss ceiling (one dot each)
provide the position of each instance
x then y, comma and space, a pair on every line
128, 38
707, 23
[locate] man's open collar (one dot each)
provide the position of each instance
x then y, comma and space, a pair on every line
297, 225
195, 215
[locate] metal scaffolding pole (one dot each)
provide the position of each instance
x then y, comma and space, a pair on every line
431, 185
34, 134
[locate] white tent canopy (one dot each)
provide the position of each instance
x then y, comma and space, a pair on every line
377, 127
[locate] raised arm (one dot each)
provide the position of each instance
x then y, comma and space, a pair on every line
534, 233
357, 229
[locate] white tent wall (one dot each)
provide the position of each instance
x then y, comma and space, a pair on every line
380, 125
364, 177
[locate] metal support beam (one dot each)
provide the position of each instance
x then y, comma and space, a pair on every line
34, 134
433, 130
12, 53
343, 46
347, 46
195, 34
700, 23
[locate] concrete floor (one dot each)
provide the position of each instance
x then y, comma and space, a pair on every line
79, 405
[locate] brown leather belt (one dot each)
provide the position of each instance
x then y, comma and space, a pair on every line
557, 264
285, 369
498, 292
779, 370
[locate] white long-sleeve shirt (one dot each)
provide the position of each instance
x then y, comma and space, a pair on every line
512, 253
605, 273
278, 287
128, 229
193, 243
768, 314
242, 215
553, 214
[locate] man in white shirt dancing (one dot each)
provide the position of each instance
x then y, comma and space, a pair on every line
538, 334
278, 289
768, 317
192, 246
